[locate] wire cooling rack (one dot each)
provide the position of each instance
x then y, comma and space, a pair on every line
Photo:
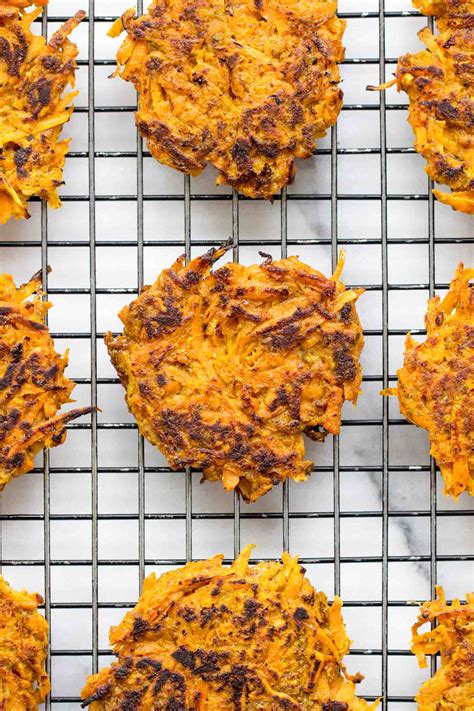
104, 509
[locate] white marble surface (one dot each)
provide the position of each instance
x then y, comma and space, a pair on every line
360, 447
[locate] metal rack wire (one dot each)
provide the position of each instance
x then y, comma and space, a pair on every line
189, 516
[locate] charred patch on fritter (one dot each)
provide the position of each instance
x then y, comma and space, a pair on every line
185, 657
449, 172
33, 77
131, 700
281, 398
121, 672
300, 614
251, 136
14, 55
188, 614
224, 370
140, 627
346, 368
200, 663
20, 158
100, 693
38, 95
169, 678
238, 678
164, 321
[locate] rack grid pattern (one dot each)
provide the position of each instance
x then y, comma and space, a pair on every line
335, 241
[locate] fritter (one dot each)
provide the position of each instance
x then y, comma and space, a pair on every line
247, 86
439, 82
436, 383
452, 686
225, 370
33, 77
208, 637
32, 382
24, 682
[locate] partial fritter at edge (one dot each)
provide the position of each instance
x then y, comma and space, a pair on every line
24, 683
436, 382
34, 75
439, 82
33, 386
451, 688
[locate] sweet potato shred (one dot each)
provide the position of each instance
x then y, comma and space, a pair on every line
33, 386
247, 86
452, 686
436, 383
24, 682
250, 637
224, 370
33, 108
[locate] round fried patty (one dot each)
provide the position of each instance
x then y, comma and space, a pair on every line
208, 637
247, 86
224, 370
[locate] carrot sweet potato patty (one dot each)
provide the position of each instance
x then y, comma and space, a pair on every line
208, 637
224, 370
247, 86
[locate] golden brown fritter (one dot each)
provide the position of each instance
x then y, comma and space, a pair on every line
225, 370
436, 382
247, 86
452, 686
33, 386
439, 82
24, 682
33, 77
208, 637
